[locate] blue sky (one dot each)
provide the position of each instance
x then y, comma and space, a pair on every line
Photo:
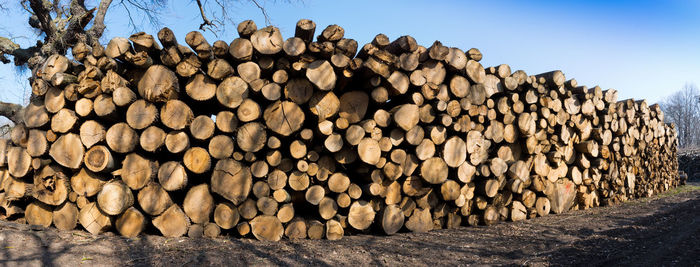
644, 49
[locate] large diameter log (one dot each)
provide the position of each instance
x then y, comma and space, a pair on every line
542, 206
123, 96
226, 215
334, 230
324, 105
130, 223
153, 199
152, 139
434, 170
37, 144
54, 64
296, 229
63, 121
200, 87
158, 84
35, 115
392, 219
251, 137
99, 159
315, 230
173, 222
18, 161
361, 215
117, 47
231, 180
218, 69
369, 151
267, 41
38, 213
232, 91
121, 138
65, 217
91, 133
93, 219
137, 171
114, 198
87, 183
197, 160
305, 30
198, 203
518, 212
141, 114
353, 106
177, 142
455, 152
221, 147
266, 227
176, 115
50, 185
284, 118
68, 151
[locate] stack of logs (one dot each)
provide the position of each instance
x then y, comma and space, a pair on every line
270, 137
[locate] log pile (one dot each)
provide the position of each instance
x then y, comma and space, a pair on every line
689, 163
300, 138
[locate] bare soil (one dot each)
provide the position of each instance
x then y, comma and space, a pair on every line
658, 231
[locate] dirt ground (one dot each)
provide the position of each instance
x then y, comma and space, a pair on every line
657, 231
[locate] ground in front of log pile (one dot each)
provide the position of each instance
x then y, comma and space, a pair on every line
663, 230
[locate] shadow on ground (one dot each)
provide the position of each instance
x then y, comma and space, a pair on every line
655, 231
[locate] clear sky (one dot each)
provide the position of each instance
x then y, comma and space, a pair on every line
644, 49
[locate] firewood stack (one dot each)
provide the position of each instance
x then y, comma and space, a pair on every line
271, 137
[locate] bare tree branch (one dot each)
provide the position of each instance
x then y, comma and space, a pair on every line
206, 22
683, 109
98, 24
11, 111
264, 12
43, 14
21, 55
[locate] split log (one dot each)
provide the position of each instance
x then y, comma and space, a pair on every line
172, 176
93, 219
